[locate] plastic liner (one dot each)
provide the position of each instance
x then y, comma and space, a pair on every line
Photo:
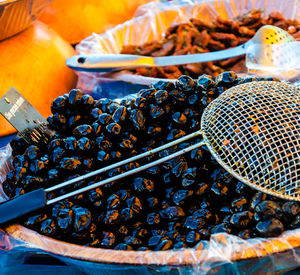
151, 22
222, 253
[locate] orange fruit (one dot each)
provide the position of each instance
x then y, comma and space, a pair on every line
34, 63
76, 19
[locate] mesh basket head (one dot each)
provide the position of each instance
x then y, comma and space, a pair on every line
253, 130
273, 49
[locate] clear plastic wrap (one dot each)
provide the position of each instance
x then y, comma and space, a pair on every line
222, 253
151, 22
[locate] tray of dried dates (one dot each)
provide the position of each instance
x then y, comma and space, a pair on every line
191, 27
187, 214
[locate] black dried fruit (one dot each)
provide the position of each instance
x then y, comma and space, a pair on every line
205, 82
75, 97
138, 119
82, 218
267, 209
185, 83
270, 228
113, 129
58, 104
161, 96
83, 130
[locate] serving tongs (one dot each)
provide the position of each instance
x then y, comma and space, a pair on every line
261, 50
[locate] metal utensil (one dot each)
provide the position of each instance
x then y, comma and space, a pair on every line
252, 130
266, 35
24, 117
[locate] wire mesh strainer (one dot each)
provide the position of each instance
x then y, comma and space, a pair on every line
253, 131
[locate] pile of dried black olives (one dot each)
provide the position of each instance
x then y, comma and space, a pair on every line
170, 206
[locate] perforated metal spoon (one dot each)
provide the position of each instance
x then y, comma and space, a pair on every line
266, 35
252, 130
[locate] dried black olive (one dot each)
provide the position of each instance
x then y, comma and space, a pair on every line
153, 219
75, 97
74, 121
35, 220
95, 113
112, 217
58, 104
70, 163
83, 130
113, 129
138, 119
120, 114
48, 227
179, 118
18, 145
185, 83
20, 161
87, 101
32, 152
193, 237
104, 119
226, 79
143, 184
172, 213
290, 209
163, 85
270, 228
161, 96
220, 228
65, 219
156, 111
181, 196
178, 95
204, 82
103, 104
257, 198
239, 204
268, 209
140, 103
164, 245
84, 145
108, 239
241, 219
189, 177
82, 218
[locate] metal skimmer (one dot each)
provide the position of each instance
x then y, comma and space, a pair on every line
253, 131
260, 52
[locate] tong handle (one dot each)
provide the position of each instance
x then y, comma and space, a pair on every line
22, 205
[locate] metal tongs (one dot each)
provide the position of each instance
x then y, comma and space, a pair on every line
261, 49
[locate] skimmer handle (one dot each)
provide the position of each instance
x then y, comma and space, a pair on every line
22, 205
